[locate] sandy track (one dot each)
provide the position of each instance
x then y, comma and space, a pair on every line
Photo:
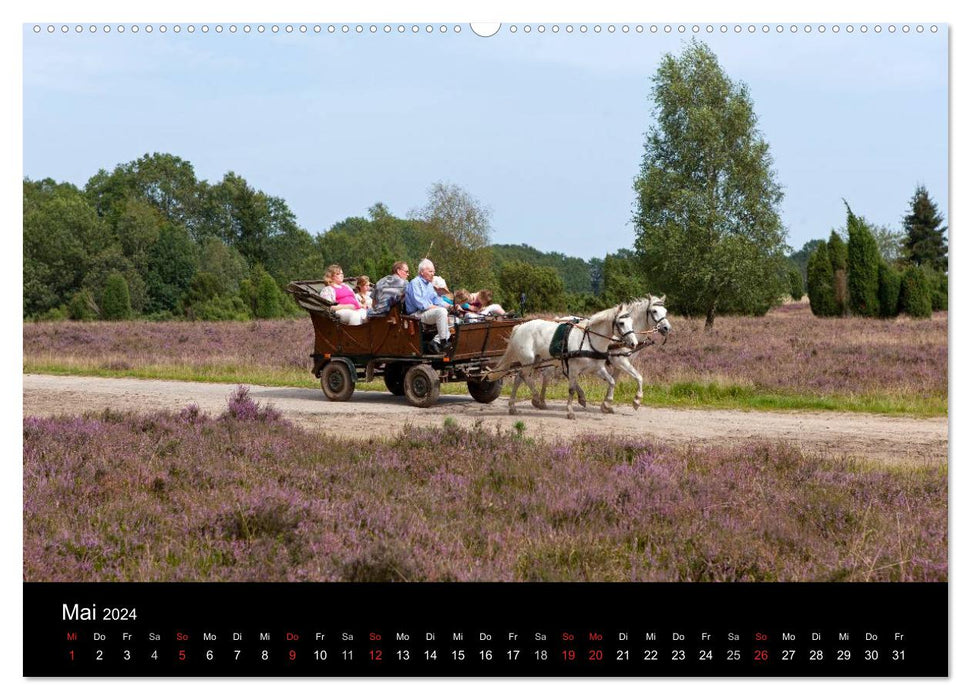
892, 439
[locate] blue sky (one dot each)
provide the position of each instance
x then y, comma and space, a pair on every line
547, 129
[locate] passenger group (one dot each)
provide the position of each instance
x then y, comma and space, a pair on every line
425, 296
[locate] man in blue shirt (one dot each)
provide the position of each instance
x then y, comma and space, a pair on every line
421, 298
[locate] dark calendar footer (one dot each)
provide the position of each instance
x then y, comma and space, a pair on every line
485, 629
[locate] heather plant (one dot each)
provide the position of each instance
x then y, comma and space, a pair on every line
241, 407
185, 497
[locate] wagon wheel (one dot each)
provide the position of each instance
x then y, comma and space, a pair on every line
336, 381
421, 386
394, 378
485, 391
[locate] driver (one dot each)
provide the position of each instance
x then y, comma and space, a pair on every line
421, 298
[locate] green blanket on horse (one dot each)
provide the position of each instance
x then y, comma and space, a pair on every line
558, 346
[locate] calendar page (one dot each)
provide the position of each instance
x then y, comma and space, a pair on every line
471, 349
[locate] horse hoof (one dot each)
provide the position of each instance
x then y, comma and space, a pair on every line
582, 402
571, 416
538, 404
512, 411
607, 409
637, 404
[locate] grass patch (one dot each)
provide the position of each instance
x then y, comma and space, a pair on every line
678, 394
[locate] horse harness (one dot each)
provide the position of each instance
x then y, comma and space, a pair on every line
614, 349
561, 340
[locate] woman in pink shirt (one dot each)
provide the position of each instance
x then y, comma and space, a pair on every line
348, 309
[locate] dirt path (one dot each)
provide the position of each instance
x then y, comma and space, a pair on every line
890, 439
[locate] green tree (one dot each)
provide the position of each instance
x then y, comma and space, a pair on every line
163, 181
938, 286
838, 258
707, 199
293, 255
822, 296
596, 266
801, 257
838, 253
115, 302
541, 285
794, 278
110, 261
890, 242
243, 217
460, 227
209, 298
915, 293
266, 299
224, 262
370, 246
172, 261
925, 243
62, 235
623, 277
888, 290
82, 306
863, 264
576, 273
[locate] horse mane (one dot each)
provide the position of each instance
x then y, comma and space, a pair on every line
606, 314
639, 301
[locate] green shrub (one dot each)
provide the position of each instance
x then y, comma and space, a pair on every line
269, 298
115, 300
888, 290
938, 285
794, 277
915, 293
819, 272
58, 313
220, 309
863, 263
82, 306
838, 254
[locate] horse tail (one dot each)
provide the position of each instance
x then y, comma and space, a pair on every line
507, 361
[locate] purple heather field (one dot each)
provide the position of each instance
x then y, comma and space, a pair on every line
246, 496
788, 350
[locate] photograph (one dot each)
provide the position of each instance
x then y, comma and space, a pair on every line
452, 303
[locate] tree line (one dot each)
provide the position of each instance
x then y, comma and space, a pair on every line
150, 240
873, 271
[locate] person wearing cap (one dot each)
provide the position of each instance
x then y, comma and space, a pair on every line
441, 289
421, 298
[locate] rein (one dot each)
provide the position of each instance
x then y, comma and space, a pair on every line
591, 353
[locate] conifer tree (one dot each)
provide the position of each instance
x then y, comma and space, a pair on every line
863, 264
819, 272
925, 243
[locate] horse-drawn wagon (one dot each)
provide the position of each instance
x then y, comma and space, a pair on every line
396, 347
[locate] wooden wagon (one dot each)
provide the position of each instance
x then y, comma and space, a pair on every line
396, 347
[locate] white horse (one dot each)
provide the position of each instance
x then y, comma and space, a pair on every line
529, 348
648, 316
